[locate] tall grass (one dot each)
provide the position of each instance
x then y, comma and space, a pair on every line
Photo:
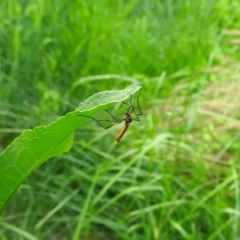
59, 43
175, 174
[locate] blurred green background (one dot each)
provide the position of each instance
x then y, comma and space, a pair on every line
175, 174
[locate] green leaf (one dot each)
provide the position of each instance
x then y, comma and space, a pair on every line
33, 147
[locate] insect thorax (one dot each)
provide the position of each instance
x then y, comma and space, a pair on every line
128, 118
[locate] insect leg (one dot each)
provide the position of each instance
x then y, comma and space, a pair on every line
99, 121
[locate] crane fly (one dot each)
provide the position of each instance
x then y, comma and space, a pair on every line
127, 119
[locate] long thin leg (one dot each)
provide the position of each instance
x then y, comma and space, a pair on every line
130, 105
98, 121
111, 115
137, 118
133, 108
140, 111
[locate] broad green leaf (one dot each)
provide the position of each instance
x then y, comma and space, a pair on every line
33, 147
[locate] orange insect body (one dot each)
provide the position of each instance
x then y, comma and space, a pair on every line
128, 120
120, 135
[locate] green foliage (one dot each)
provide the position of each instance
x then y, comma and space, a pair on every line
175, 175
80, 40
33, 147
